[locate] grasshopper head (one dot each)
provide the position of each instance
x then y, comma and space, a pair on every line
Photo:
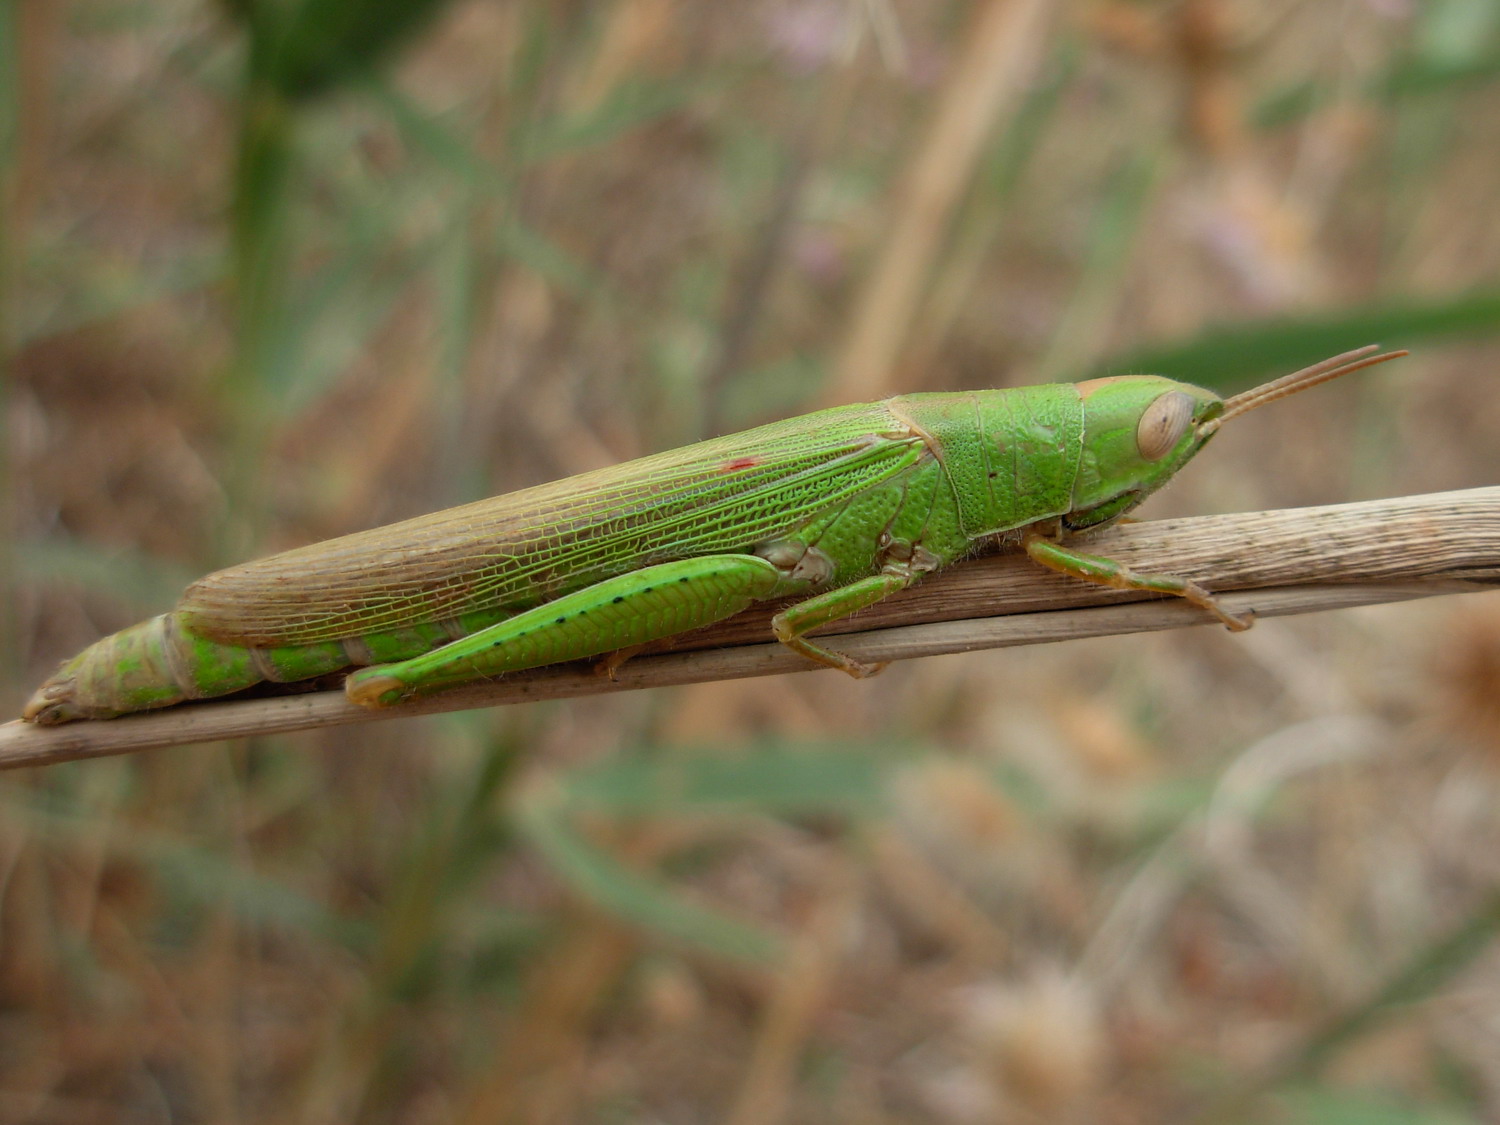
1140, 429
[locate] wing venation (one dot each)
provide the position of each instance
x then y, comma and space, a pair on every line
526, 547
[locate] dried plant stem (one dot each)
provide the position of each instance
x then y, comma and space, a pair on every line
1272, 563
984, 85
1425, 974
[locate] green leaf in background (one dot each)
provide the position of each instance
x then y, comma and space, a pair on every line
1234, 356
1317, 1105
139, 582
196, 877
450, 152
644, 900
628, 106
775, 780
1455, 46
1116, 221
1456, 32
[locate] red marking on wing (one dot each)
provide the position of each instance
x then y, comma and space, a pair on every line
740, 463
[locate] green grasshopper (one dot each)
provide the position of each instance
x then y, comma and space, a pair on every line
841, 508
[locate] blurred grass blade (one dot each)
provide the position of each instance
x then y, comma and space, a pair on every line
990, 204
1454, 46
643, 900
530, 247
548, 260
1232, 357
1431, 969
11, 62
1098, 288
776, 780
212, 880
982, 87
1419, 979
629, 105
298, 49
68, 291
1324, 1106
188, 873
332, 321
137, 582
455, 845
1418, 77
426, 132
1409, 80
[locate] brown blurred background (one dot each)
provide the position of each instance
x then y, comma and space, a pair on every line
274, 270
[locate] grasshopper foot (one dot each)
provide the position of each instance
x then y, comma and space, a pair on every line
828, 657
1235, 622
860, 670
611, 662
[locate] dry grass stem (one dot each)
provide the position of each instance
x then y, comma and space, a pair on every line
987, 81
1272, 563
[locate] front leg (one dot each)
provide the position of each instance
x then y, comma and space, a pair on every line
1107, 572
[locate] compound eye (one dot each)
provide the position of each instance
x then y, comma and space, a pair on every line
1163, 424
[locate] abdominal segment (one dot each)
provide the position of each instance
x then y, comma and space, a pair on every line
163, 661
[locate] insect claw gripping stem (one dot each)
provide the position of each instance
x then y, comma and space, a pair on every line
611, 662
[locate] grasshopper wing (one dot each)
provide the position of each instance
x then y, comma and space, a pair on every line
521, 549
